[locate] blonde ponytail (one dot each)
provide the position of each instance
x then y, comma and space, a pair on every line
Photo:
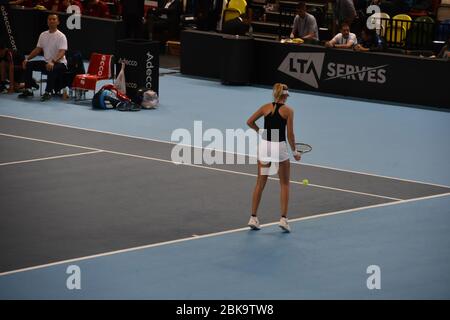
278, 89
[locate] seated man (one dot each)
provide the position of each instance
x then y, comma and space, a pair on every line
305, 25
344, 40
53, 44
370, 41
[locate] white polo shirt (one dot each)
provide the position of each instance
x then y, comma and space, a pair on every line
339, 39
51, 43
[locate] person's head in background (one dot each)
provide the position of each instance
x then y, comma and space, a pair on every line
345, 30
301, 9
280, 92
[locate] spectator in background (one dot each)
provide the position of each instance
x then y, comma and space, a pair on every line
345, 11
96, 8
133, 15
305, 25
344, 40
370, 41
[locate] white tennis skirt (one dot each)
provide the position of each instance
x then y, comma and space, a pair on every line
272, 151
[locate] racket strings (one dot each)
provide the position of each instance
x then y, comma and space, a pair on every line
303, 147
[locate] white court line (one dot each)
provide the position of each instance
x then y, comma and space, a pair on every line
344, 190
50, 158
199, 166
236, 153
373, 175
196, 237
47, 141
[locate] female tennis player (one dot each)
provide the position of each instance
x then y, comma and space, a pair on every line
273, 150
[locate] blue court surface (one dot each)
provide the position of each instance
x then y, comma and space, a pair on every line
97, 190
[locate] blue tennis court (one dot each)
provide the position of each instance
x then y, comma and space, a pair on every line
98, 190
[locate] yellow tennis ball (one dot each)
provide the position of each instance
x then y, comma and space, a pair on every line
305, 182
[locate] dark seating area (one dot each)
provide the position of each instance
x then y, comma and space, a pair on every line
277, 23
410, 32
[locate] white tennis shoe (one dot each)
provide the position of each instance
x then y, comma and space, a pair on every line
284, 224
253, 223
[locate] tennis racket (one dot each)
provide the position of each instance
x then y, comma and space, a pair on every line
303, 148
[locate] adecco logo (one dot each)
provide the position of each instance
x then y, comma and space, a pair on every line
101, 67
307, 67
132, 63
8, 27
149, 70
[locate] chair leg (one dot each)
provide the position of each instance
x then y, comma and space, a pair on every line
40, 86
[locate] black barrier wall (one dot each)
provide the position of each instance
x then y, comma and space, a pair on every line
237, 59
201, 53
377, 76
95, 35
141, 59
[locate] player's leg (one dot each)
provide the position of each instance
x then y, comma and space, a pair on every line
259, 188
284, 175
257, 193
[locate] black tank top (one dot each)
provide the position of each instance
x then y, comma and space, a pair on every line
275, 121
